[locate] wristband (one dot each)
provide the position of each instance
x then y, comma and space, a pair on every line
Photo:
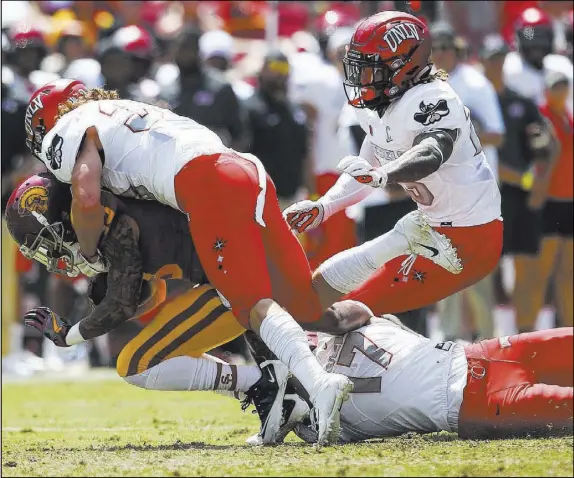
526, 181
74, 336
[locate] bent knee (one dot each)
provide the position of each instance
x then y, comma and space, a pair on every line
260, 310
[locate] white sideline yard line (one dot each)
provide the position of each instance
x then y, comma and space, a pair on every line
71, 429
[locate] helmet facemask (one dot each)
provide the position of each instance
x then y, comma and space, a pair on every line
34, 140
53, 248
366, 80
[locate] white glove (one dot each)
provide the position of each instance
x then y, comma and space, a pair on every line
363, 171
92, 269
304, 215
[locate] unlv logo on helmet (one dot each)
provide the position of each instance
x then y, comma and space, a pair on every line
34, 106
397, 34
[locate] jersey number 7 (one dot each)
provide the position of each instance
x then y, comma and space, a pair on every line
357, 342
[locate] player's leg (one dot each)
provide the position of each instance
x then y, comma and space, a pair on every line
166, 354
224, 197
411, 282
548, 353
533, 409
503, 395
544, 265
288, 265
522, 235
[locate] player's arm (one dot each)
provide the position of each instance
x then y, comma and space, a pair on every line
487, 114
305, 215
120, 301
430, 150
87, 210
124, 279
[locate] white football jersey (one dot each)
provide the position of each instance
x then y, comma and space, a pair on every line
403, 381
528, 81
144, 146
463, 191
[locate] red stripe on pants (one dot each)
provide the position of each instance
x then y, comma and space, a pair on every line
243, 260
504, 396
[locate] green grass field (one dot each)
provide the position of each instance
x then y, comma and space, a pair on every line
108, 428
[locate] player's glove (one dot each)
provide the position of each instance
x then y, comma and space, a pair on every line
92, 269
49, 323
304, 215
363, 171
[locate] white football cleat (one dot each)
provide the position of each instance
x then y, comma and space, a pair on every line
327, 402
426, 242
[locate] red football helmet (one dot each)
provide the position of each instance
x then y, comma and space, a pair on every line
388, 54
534, 35
37, 216
43, 109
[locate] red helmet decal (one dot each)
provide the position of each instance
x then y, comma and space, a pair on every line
399, 33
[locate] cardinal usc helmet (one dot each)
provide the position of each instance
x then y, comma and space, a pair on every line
43, 109
37, 216
388, 54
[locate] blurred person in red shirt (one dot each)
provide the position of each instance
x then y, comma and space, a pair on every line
557, 195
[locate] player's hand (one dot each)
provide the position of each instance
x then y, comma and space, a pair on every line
49, 323
92, 269
304, 215
363, 171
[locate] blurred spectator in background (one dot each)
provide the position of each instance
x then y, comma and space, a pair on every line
569, 34
126, 58
473, 88
25, 52
116, 68
217, 51
13, 141
317, 86
524, 69
202, 94
279, 134
526, 149
556, 255
478, 95
141, 49
557, 10
69, 43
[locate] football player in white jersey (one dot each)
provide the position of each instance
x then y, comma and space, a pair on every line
404, 382
92, 139
419, 135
